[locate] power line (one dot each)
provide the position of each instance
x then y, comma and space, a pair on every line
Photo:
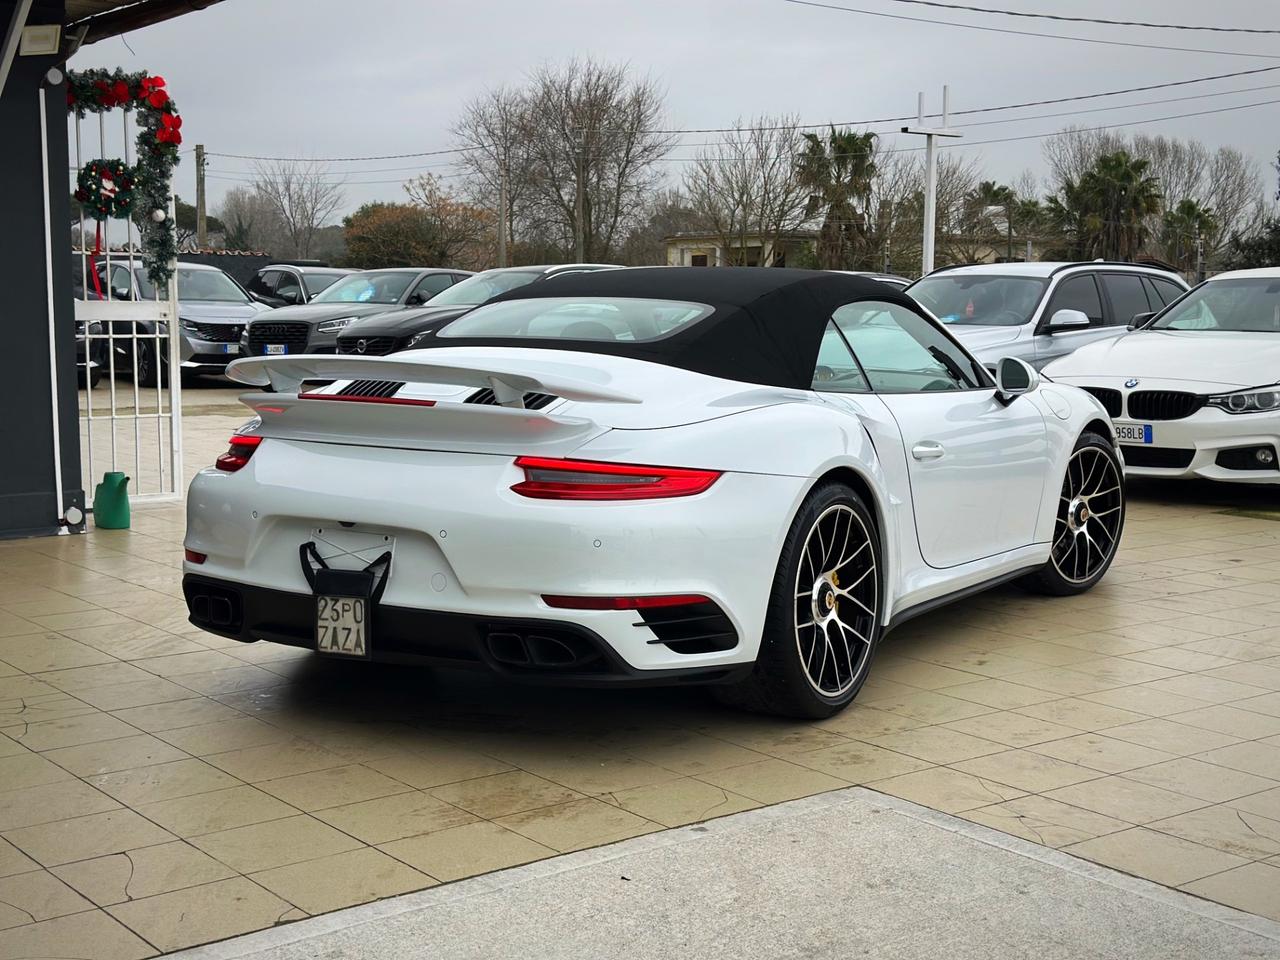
1029, 33
804, 126
1064, 18
389, 156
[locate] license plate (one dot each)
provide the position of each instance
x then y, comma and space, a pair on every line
275, 349
1133, 432
231, 348
342, 626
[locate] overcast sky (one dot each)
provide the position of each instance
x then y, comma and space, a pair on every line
326, 78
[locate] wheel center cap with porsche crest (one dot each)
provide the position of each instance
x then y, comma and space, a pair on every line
1131, 383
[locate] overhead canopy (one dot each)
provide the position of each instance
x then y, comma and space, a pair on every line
765, 326
101, 19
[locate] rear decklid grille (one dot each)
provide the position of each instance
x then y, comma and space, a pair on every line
532, 401
371, 388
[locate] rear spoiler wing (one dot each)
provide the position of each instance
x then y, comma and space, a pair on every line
509, 380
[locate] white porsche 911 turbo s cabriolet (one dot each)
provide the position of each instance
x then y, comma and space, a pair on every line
1195, 390
738, 477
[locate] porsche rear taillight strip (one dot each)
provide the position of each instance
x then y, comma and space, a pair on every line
547, 478
238, 454
397, 401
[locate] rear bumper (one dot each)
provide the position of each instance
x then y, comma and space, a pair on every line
554, 651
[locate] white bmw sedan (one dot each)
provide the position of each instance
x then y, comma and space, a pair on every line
736, 477
1194, 391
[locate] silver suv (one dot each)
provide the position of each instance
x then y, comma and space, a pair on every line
1041, 311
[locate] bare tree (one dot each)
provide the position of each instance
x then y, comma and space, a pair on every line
250, 221
593, 149
1072, 152
495, 133
747, 189
460, 232
302, 196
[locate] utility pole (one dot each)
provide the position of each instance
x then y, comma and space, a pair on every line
580, 238
202, 227
1199, 256
931, 171
502, 214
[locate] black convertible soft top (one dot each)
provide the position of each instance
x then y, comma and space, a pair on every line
765, 326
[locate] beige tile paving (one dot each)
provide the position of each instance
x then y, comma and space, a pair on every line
149, 771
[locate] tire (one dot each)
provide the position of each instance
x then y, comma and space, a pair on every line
839, 643
148, 372
1084, 544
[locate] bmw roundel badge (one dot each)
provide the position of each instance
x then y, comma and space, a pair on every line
1131, 383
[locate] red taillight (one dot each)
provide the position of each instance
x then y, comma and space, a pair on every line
195, 556
238, 454
399, 401
551, 479
623, 603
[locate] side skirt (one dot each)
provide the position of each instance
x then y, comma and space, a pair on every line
902, 616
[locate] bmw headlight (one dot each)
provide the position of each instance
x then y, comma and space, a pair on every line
333, 326
1254, 400
418, 339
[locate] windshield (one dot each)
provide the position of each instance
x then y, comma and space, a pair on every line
321, 281
1243, 306
979, 299
370, 287
211, 285
483, 287
608, 319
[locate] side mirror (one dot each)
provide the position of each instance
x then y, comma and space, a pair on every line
417, 298
1014, 377
120, 293
290, 297
1140, 320
1063, 320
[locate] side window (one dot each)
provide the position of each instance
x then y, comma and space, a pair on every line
1154, 300
1128, 299
1168, 290
902, 352
121, 288
1078, 293
264, 282
836, 371
430, 285
288, 288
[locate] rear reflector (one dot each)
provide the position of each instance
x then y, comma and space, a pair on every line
238, 453
551, 479
623, 603
397, 401
194, 556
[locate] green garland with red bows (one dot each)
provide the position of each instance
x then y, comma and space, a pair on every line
159, 134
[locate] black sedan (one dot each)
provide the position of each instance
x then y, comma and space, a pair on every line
313, 327
390, 332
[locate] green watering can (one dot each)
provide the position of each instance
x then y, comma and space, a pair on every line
111, 502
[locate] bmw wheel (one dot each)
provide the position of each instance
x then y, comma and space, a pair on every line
823, 621
1089, 521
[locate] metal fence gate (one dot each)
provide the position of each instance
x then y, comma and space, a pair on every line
127, 364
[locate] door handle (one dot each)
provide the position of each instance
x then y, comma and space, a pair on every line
927, 450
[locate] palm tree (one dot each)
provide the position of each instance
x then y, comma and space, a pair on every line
838, 172
1105, 213
1180, 229
1121, 197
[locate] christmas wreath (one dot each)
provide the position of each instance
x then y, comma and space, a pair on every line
105, 189
159, 134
